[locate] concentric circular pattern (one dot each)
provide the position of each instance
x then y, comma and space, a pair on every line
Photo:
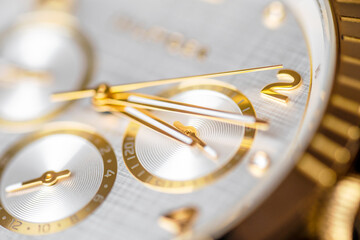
172, 160
56, 62
51, 203
42, 209
39, 58
167, 165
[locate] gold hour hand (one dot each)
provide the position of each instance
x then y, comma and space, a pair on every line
47, 179
192, 132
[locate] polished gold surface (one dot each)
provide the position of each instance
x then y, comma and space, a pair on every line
338, 219
49, 179
330, 149
317, 171
294, 79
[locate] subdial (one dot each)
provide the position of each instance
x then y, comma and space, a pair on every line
169, 166
55, 178
42, 52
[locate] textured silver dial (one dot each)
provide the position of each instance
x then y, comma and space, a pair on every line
229, 35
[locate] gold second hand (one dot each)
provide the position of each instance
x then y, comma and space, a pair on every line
74, 95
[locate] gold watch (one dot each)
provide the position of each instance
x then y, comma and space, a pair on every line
184, 120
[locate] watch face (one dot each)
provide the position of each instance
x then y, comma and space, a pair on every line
183, 157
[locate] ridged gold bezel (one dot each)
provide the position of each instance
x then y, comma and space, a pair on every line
331, 152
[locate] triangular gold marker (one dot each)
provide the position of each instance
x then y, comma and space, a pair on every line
179, 221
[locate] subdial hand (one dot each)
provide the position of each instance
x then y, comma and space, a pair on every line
192, 133
47, 179
13, 74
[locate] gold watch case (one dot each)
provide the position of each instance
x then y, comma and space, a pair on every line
297, 202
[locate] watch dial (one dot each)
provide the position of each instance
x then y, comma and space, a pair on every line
227, 145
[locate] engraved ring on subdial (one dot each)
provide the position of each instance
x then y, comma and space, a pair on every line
41, 53
166, 165
54, 179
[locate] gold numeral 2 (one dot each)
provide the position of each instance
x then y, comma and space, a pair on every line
282, 75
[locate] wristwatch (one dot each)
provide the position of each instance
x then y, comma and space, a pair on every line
192, 119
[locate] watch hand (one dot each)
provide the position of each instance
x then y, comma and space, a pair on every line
12, 73
67, 96
47, 179
149, 120
192, 132
156, 103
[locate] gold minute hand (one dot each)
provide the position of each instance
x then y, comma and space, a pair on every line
68, 96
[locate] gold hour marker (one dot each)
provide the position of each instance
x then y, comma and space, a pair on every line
179, 221
274, 15
294, 79
259, 163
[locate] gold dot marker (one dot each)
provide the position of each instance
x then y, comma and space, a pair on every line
259, 163
274, 15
